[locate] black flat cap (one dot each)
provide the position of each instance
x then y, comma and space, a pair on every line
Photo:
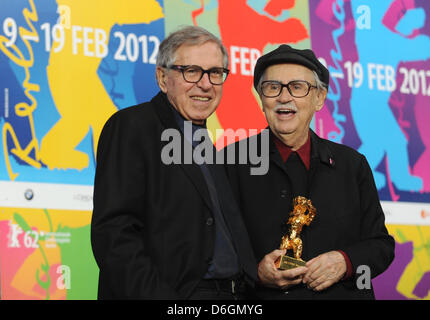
286, 54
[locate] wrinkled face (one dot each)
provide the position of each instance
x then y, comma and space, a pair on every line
286, 114
194, 101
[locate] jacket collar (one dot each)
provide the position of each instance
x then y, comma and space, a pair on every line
319, 149
164, 110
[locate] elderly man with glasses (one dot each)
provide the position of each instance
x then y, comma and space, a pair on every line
346, 231
169, 231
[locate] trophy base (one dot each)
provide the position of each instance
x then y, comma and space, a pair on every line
286, 262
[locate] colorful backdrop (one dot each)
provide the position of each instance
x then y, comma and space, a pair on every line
67, 65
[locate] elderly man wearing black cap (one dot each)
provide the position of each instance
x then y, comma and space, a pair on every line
348, 232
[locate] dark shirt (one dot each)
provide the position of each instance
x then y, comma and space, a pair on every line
225, 262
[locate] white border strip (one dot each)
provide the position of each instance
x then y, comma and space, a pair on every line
46, 196
80, 197
415, 213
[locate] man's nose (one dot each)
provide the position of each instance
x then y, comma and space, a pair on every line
204, 82
285, 95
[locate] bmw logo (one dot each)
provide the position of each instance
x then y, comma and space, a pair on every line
28, 194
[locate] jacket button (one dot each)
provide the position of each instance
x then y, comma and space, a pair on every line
283, 193
209, 221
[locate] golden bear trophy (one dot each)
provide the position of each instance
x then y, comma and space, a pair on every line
303, 213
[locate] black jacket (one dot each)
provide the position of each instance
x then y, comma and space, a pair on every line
152, 228
349, 215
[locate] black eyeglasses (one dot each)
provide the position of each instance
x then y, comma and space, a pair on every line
194, 74
296, 88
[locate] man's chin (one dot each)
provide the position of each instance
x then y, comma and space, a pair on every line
199, 120
201, 117
283, 131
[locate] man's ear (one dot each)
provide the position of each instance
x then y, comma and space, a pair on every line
261, 102
320, 99
161, 76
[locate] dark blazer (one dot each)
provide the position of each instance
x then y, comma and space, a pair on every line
349, 215
152, 228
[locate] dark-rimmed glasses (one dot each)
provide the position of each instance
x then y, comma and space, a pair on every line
296, 88
194, 74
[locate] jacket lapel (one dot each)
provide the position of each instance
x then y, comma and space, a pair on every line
320, 155
194, 173
320, 150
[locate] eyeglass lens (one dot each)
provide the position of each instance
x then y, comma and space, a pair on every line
195, 73
297, 88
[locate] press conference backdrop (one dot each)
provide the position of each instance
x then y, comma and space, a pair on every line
67, 65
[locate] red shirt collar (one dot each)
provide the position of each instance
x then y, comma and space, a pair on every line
304, 151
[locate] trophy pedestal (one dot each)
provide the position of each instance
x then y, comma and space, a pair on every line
286, 262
